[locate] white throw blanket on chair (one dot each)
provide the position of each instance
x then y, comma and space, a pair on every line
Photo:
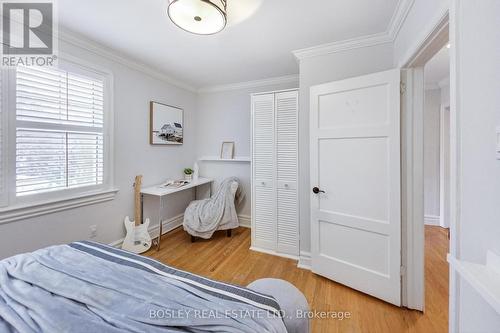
203, 217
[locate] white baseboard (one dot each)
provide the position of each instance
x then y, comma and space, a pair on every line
304, 260
168, 225
175, 222
274, 253
245, 221
431, 220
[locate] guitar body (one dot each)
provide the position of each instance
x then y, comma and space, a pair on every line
137, 239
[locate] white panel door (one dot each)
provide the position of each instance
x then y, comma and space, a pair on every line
263, 173
355, 160
287, 172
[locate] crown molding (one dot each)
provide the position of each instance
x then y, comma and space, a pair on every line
400, 13
80, 41
398, 18
343, 45
294, 78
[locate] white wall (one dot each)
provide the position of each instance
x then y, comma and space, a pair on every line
225, 116
432, 109
478, 105
133, 155
321, 69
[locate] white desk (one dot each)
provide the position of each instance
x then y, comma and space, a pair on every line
160, 191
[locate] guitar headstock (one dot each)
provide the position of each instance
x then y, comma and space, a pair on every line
138, 181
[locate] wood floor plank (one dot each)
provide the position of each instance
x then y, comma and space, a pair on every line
230, 260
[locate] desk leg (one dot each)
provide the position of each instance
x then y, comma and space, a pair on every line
160, 227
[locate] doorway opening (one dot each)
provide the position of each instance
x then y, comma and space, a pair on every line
436, 129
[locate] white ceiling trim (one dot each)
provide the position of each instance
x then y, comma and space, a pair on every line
294, 78
344, 45
399, 17
114, 55
402, 9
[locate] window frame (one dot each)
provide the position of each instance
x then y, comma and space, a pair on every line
9, 201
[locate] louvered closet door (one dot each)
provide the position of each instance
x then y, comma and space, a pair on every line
287, 175
263, 169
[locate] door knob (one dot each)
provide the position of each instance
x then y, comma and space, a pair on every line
316, 190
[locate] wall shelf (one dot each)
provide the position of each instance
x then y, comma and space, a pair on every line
218, 159
485, 279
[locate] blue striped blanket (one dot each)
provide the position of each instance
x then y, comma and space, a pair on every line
90, 287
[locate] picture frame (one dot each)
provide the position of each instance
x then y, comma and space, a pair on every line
166, 124
227, 150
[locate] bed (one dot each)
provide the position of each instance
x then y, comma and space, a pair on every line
91, 287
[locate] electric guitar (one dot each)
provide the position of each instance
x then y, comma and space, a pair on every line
138, 239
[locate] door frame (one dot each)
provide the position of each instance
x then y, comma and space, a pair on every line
444, 191
413, 234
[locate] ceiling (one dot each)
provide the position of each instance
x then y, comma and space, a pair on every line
256, 44
438, 68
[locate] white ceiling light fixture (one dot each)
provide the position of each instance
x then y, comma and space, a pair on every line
202, 17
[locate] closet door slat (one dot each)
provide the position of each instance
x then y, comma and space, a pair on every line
263, 173
287, 172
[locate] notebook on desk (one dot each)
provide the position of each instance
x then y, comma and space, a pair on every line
174, 183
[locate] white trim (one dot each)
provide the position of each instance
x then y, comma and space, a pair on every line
433, 37
293, 78
444, 175
343, 45
274, 91
274, 253
174, 223
245, 221
78, 40
400, 13
427, 35
412, 192
432, 220
398, 18
168, 225
218, 159
21, 204
305, 260
19, 212
485, 279
455, 159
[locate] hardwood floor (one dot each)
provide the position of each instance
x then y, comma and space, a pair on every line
230, 260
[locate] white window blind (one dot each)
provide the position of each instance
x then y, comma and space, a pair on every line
59, 130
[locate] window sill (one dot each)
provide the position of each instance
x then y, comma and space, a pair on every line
24, 211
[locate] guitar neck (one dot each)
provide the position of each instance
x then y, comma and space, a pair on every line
137, 201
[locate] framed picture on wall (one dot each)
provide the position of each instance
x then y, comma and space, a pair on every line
166, 124
227, 150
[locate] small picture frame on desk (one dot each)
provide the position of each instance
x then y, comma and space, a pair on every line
227, 150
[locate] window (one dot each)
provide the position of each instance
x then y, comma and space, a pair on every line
57, 142
59, 130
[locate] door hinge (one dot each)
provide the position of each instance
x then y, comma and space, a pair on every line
402, 270
402, 87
